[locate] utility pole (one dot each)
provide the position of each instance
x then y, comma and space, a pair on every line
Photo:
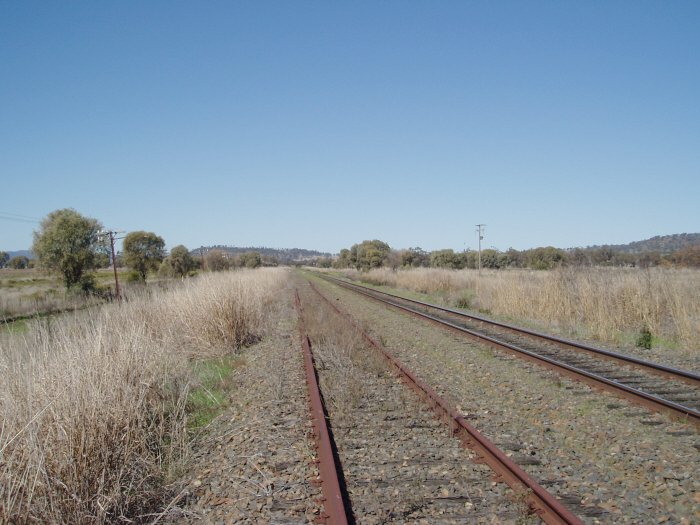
117, 292
480, 233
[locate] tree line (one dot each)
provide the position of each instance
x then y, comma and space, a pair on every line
73, 246
376, 254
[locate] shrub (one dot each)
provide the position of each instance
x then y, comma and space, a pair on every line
93, 404
18, 263
644, 339
134, 277
217, 261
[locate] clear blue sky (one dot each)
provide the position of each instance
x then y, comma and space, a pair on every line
320, 124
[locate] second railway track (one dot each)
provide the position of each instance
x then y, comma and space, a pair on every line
606, 459
661, 388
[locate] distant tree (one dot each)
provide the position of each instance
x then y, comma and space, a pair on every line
251, 260
515, 258
166, 269
181, 261
415, 257
470, 259
324, 262
18, 263
271, 260
217, 261
580, 257
369, 254
494, 259
445, 259
602, 256
143, 252
689, 256
4, 257
545, 258
66, 243
649, 259
393, 260
343, 260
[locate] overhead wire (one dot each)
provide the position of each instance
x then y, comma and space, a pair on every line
8, 216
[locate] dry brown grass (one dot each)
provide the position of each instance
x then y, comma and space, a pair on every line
610, 304
93, 404
339, 348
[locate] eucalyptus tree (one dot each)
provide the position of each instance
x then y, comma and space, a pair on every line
67, 243
143, 252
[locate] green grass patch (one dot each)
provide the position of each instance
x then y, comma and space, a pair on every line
633, 339
18, 283
108, 276
212, 389
17, 327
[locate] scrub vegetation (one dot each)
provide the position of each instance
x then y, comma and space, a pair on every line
97, 405
615, 305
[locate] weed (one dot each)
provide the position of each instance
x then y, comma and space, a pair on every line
211, 390
463, 299
644, 339
525, 514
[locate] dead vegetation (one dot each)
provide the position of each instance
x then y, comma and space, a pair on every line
338, 346
610, 304
94, 404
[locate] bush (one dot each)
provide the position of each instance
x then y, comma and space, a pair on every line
88, 284
217, 261
463, 299
644, 339
445, 259
18, 263
134, 277
93, 405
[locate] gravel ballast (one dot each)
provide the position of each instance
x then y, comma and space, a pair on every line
401, 465
610, 461
254, 464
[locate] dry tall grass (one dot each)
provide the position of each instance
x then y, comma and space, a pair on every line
610, 304
339, 347
94, 404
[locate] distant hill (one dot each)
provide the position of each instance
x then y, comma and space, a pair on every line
282, 255
663, 244
27, 253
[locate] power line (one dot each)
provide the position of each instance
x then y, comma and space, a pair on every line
18, 218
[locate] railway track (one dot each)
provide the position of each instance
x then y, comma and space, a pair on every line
658, 387
385, 459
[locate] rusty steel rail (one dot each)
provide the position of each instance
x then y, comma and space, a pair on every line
655, 368
333, 501
540, 501
646, 399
